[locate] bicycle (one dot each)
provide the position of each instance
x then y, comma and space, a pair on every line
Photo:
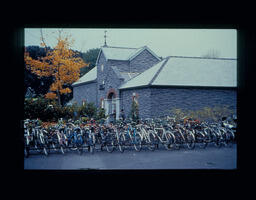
147, 137
183, 137
164, 137
135, 137
75, 139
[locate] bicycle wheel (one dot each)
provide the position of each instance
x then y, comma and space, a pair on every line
190, 141
170, 141
152, 141
110, 145
201, 140
231, 138
92, 143
216, 139
121, 141
223, 138
178, 141
137, 142
45, 151
62, 149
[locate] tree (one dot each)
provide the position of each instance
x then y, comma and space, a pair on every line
42, 85
89, 57
61, 63
212, 53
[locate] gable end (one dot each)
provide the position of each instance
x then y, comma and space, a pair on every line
141, 50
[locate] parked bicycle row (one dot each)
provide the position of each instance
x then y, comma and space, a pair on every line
151, 133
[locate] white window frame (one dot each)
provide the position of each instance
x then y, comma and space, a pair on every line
102, 103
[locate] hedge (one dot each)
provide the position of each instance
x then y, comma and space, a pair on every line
49, 110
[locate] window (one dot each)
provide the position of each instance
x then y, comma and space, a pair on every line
102, 67
102, 86
83, 102
102, 102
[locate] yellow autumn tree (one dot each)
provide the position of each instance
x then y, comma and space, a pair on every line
61, 63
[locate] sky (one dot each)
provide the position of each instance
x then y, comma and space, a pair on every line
164, 42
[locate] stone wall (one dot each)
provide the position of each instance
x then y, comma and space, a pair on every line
109, 76
123, 66
143, 61
143, 100
156, 102
165, 99
86, 92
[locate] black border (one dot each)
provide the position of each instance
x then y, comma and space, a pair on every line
246, 51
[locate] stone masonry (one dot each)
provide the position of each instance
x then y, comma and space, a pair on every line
87, 91
156, 102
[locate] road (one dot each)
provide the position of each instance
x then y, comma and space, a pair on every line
209, 158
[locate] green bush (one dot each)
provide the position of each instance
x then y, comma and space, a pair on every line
100, 114
49, 110
134, 114
205, 114
36, 108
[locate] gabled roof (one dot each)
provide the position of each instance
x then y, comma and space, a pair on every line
118, 53
144, 78
123, 53
124, 75
88, 77
139, 50
114, 53
128, 75
188, 71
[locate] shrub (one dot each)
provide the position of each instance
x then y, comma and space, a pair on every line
134, 114
100, 114
205, 114
49, 110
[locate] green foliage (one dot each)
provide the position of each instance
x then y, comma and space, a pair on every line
134, 114
89, 57
205, 114
41, 85
100, 114
49, 110
84, 119
88, 110
35, 108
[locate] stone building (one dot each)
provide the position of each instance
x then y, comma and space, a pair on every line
114, 67
123, 75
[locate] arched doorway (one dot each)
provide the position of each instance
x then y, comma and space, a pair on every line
111, 97
111, 104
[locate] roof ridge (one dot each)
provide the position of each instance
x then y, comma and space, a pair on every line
159, 70
136, 52
120, 47
202, 57
117, 71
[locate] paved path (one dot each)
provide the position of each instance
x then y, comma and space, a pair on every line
209, 158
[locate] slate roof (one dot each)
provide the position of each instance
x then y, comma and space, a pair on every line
188, 71
144, 78
115, 53
128, 75
124, 75
123, 53
88, 77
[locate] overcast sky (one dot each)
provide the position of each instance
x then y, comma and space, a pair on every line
164, 42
